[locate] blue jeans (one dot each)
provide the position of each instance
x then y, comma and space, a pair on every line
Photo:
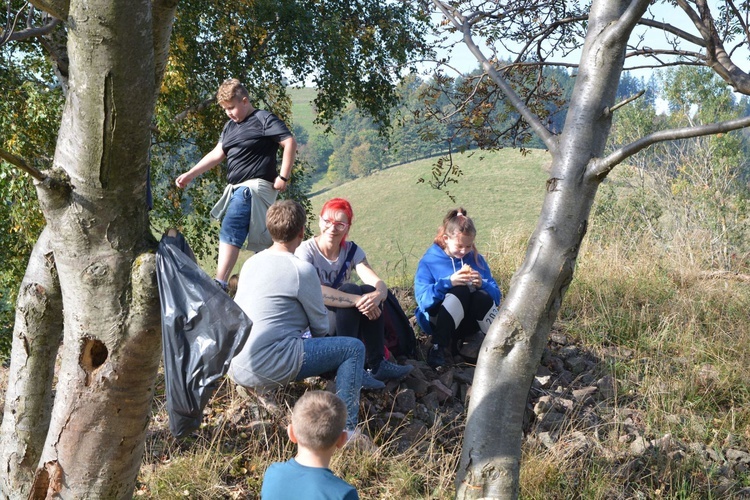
346, 356
236, 222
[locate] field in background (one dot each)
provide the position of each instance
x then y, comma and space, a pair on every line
395, 217
302, 108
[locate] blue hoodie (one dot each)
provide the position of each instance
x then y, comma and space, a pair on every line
433, 280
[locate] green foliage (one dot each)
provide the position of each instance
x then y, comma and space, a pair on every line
684, 189
27, 110
352, 49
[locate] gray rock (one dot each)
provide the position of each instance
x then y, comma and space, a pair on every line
446, 378
734, 455
585, 394
442, 392
664, 443
419, 386
464, 376
547, 439
639, 446
542, 382
543, 405
558, 338
712, 455
566, 377
555, 364
607, 388
406, 400
456, 390
551, 420
568, 352
413, 432
419, 369
576, 364
543, 371
431, 401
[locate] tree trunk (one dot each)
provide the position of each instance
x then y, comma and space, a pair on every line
510, 355
28, 400
103, 252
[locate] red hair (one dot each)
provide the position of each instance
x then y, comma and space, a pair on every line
338, 205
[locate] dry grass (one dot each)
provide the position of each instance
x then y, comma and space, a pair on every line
675, 341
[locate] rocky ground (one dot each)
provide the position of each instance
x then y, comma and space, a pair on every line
572, 410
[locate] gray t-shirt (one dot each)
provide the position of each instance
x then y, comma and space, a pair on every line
329, 269
282, 295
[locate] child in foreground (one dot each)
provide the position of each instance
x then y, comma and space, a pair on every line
317, 427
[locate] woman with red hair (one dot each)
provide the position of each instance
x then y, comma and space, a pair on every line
354, 310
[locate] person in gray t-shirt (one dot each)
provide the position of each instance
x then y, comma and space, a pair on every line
355, 309
282, 296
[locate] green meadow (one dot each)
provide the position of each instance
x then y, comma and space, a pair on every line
303, 113
396, 216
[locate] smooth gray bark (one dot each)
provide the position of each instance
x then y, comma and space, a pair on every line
490, 459
100, 239
28, 400
510, 355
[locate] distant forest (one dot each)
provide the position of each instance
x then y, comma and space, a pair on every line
431, 121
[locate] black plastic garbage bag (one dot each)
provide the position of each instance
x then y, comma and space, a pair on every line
202, 329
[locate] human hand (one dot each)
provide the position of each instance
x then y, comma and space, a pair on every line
369, 305
183, 180
279, 184
466, 276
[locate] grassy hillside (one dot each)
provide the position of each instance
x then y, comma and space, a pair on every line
302, 107
395, 217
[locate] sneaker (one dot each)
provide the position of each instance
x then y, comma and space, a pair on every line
435, 357
369, 383
390, 371
358, 441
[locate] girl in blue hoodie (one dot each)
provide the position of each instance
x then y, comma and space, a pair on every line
455, 292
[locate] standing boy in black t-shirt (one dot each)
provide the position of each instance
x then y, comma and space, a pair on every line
249, 142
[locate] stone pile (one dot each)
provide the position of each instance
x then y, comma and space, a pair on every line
573, 409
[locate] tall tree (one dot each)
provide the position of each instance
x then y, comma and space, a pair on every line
90, 279
535, 32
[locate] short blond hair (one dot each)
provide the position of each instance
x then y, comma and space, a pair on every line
318, 419
229, 89
285, 219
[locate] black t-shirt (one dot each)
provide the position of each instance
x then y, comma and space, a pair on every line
251, 146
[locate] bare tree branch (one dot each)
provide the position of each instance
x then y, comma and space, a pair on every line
28, 33
603, 167
461, 25
675, 31
10, 25
738, 16
624, 102
630, 17
193, 109
23, 165
58, 8
717, 57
